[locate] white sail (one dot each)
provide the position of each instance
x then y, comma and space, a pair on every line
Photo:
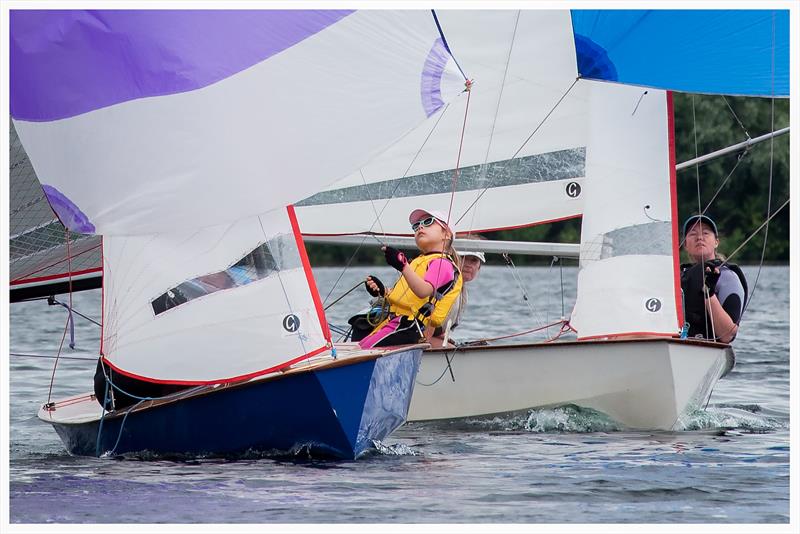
627, 282
184, 147
212, 305
275, 131
522, 64
41, 260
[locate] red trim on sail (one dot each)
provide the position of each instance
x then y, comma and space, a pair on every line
312, 285
479, 231
20, 281
627, 334
673, 191
218, 381
102, 297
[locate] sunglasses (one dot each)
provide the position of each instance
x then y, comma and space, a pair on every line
423, 223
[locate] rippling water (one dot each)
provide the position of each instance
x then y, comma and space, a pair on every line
562, 465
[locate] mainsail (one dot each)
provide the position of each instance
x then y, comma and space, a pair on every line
522, 64
524, 124
186, 143
44, 257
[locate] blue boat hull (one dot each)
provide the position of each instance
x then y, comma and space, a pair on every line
337, 411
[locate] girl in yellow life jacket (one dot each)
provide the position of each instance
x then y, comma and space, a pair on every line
427, 288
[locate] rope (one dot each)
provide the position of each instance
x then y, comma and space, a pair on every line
344, 295
518, 279
69, 318
446, 368
517, 334
457, 170
52, 300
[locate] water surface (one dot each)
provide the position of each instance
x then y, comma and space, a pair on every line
560, 465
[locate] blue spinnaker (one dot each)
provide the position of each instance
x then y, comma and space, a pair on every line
734, 52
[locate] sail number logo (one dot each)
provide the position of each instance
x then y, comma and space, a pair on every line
652, 305
291, 323
573, 189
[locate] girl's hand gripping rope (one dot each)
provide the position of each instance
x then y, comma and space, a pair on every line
374, 286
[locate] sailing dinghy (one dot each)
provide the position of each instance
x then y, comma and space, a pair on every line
177, 142
569, 115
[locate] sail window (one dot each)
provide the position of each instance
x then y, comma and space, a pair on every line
278, 254
648, 239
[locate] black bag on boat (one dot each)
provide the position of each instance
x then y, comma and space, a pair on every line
363, 324
360, 327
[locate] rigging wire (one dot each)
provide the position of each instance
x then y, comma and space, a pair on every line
756, 231
717, 192
771, 161
541, 123
372, 202
736, 117
485, 168
394, 191
699, 208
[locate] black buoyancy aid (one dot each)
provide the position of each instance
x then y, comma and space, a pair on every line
692, 282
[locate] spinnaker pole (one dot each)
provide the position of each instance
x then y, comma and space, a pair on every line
744, 145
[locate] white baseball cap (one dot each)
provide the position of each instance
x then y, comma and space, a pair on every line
478, 255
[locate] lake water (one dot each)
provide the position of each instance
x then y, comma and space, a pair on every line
562, 465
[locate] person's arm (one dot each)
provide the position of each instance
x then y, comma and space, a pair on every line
418, 285
724, 327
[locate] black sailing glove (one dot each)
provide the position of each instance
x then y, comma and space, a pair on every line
380, 291
712, 275
395, 258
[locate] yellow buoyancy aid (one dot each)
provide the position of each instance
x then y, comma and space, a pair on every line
403, 301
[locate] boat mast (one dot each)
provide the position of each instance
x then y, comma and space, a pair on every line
744, 145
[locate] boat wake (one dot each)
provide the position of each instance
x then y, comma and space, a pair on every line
391, 449
571, 418
742, 417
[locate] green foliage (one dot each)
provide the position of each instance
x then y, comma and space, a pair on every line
742, 203
740, 206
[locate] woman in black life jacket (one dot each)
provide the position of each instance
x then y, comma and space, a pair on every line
714, 292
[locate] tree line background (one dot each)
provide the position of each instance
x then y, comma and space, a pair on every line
740, 207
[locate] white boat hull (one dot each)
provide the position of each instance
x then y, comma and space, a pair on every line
645, 383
